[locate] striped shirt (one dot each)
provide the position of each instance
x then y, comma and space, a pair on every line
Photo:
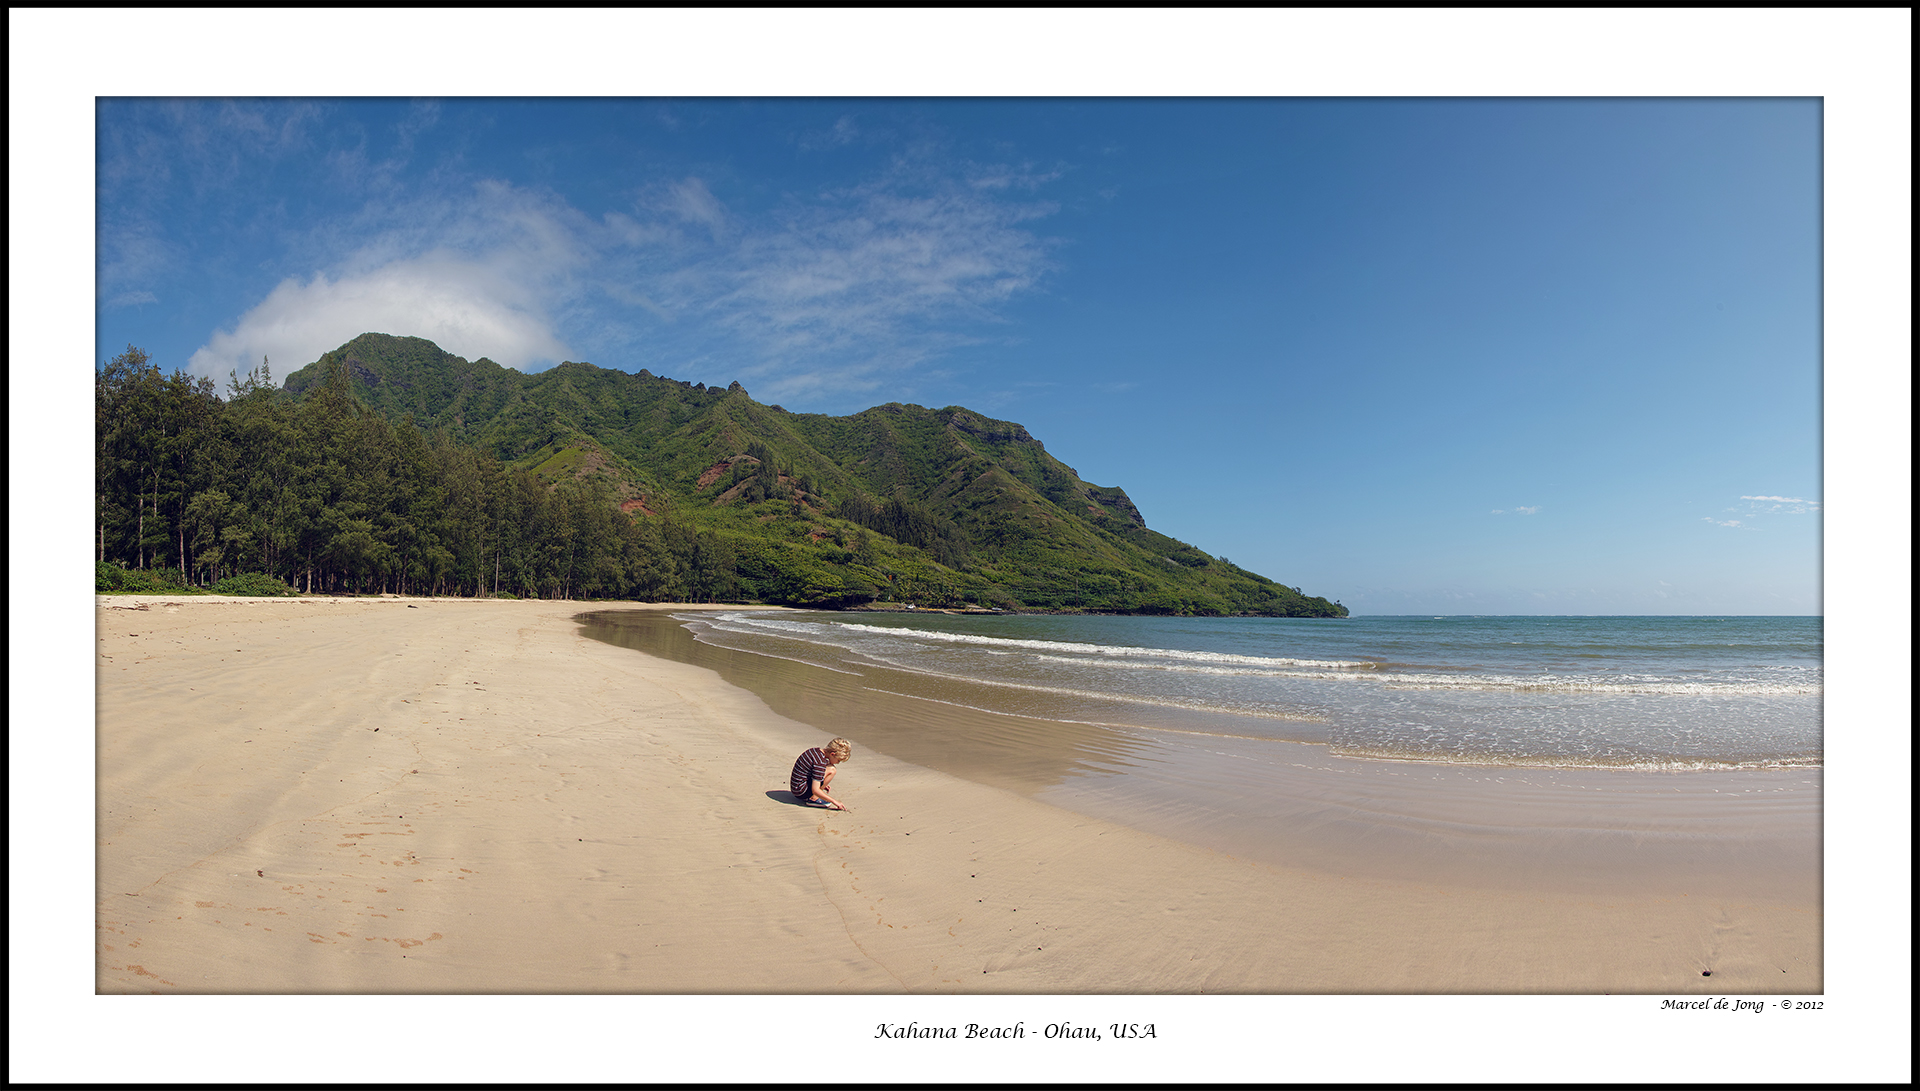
811, 767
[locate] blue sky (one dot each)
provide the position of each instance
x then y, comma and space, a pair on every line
1417, 355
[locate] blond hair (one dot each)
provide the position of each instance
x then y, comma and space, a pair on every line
839, 750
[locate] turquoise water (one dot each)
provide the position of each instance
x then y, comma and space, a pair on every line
1621, 692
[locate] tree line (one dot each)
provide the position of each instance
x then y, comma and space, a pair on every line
325, 496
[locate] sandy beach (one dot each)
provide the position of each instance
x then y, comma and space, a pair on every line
394, 796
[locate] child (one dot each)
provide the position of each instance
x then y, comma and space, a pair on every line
813, 773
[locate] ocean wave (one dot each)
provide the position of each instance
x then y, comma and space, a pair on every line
1079, 682
1486, 683
1223, 664
1110, 651
1173, 668
1638, 687
759, 621
1154, 700
1639, 763
702, 638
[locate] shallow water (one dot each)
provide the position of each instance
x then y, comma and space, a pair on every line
1661, 692
1310, 744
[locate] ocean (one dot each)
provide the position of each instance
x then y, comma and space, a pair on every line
1639, 692
1572, 753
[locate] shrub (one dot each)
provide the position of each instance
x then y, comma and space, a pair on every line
256, 584
505, 595
151, 581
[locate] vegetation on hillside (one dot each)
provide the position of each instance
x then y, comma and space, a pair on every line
392, 465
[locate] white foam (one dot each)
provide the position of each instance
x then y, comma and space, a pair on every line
787, 658
1128, 698
1568, 761
1564, 684
1105, 651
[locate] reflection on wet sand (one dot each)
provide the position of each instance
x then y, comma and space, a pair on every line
939, 728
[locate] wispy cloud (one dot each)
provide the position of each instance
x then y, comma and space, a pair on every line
840, 290
154, 156
207, 143
689, 199
132, 257
1524, 510
821, 294
1001, 176
353, 164
1758, 507
843, 132
1782, 505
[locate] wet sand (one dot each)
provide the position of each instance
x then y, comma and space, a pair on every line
1748, 834
543, 812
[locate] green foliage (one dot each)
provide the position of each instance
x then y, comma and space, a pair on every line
389, 464
110, 578
256, 584
562, 463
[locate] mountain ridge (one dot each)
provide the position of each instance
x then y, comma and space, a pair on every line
991, 516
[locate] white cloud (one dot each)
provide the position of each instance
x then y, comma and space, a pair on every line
132, 299
1726, 522
479, 278
1781, 505
1517, 510
466, 308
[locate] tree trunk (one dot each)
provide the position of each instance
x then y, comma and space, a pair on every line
156, 505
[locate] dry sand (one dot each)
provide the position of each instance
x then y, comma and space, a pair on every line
458, 796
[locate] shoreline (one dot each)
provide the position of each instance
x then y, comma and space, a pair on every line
1750, 833
542, 812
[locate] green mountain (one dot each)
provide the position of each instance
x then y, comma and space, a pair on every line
898, 502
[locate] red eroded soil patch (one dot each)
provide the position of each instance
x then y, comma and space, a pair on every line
712, 473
